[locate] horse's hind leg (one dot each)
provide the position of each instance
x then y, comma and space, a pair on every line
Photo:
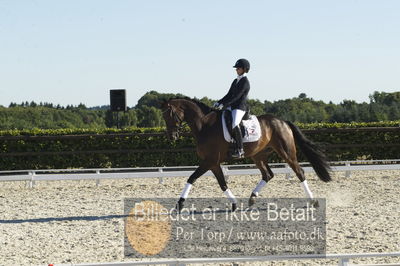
261, 161
219, 174
287, 150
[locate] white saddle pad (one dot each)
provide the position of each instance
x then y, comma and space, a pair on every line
252, 129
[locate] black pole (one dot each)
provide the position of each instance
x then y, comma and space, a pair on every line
118, 125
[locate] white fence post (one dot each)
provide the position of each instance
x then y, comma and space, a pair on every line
98, 179
343, 262
288, 175
32, 182
160, 179
348, 172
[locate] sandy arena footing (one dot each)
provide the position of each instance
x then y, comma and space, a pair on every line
77, 221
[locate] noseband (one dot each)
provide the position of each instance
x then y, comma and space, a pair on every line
175, 116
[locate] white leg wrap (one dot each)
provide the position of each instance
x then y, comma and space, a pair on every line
307, 189
186, 190
230, 196
259, 186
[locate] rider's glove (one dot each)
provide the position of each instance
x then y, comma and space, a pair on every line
216, 104
220, 106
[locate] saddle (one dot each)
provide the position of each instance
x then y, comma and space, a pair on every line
249, 127
228, 121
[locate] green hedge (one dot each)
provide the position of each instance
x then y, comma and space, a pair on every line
141, 147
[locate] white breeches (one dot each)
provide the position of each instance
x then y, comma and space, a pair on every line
237, 116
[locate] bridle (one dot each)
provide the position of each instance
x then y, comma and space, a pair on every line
175, 116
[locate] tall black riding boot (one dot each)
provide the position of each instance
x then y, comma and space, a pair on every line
237, 136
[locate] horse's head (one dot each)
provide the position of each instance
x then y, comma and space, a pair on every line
173, 117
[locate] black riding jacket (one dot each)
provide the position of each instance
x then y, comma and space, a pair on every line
236, 98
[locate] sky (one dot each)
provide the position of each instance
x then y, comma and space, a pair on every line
71, 52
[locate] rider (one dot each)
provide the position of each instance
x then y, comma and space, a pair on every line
236, 100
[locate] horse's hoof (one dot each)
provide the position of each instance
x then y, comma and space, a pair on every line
252, 200
314, 203
179, 205
234, 207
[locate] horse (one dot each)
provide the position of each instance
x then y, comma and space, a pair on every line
206, 127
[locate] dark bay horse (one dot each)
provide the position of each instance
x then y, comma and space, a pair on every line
206, 126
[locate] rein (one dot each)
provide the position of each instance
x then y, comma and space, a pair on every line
178, 120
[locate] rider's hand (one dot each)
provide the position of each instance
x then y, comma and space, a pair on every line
220, 106
216, 104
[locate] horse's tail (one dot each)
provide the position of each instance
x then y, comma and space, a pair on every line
313, 153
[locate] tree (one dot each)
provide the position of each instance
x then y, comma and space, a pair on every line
125, 119
153, 99
150, 117
81, 106
302, 95
385, 97
256, 107
383, 106
207, 101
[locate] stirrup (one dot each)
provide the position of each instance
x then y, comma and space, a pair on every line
238, 154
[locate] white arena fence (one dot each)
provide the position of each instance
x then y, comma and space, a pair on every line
32, 176
343, 260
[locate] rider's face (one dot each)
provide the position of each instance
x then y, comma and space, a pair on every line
240, 71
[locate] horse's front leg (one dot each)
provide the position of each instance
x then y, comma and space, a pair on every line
193, 177
219, 174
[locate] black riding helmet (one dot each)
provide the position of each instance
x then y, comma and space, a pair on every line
243, 63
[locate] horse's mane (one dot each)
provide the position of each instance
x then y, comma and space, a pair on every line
204, 107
